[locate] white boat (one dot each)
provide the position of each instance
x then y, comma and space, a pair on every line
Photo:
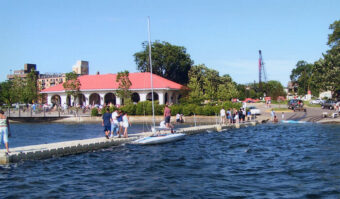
160, 139
157, 138
293, 122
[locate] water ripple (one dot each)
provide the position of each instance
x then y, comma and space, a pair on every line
264, 161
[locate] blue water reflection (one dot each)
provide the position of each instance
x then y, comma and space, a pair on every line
265, 161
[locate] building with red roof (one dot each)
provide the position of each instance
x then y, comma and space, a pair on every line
101, 89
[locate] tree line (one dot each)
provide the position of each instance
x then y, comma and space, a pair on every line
323, 74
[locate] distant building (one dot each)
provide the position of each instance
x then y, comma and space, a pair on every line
102, 89
81, 68
291, 90
49, 80
23, 73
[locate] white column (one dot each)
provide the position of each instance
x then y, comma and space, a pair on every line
73, 103
49, 97
142, 96
118, 101
87, 99
102, 95
160, 97
63, 99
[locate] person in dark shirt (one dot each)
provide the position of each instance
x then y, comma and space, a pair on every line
106, 123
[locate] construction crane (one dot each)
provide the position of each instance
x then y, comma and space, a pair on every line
262, 71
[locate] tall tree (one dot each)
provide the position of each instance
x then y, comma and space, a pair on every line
302, 76
326, 71
274, 89
169, 61
72, 85
17, 90
196, 84
124, 85
226, 89
6, 95
31, 88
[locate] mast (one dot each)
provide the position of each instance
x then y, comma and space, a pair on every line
150, 61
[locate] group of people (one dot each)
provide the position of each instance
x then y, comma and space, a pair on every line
234, 116
115, 122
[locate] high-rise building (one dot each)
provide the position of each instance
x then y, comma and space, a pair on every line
81, 67
23, 73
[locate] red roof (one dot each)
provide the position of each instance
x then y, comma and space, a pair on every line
108, 82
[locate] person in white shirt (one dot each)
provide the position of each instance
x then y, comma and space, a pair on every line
178, 118
114, 124
223, 116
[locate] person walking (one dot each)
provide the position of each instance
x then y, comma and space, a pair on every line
126, 124
106, 122
272, 114
114, 124
120, 123
4, 130
167, 116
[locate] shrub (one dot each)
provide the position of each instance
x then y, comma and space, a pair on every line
176, 109
208, 110
198, 110
94, 112
130, 109
112, 108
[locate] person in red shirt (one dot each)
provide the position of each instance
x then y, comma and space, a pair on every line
167, 116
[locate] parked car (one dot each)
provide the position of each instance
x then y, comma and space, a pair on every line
295, 103
328, 104
250, 100
317, 101
254, 110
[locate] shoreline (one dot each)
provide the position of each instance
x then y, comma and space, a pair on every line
133, 119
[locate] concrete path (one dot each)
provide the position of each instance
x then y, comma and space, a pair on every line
43, 151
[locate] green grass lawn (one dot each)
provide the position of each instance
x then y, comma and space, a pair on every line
313, 105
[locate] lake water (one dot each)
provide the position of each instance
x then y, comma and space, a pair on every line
263, 161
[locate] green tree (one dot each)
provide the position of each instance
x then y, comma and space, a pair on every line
227, 89
169, 61
326, 71
196, 84
30, 91
274, 89
17, 90
124, 85
6, 95
72, 85
302, 75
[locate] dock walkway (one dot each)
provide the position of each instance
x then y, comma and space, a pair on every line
44, 151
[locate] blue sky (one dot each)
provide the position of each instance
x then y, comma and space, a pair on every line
223, 35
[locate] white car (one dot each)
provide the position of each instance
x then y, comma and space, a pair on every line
254, 110
317, 101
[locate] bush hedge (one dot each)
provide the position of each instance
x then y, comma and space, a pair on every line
145, 108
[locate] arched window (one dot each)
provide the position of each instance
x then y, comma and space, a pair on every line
149, 96
94, 99
135, 97
110, 98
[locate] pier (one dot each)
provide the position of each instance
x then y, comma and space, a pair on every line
44, 151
